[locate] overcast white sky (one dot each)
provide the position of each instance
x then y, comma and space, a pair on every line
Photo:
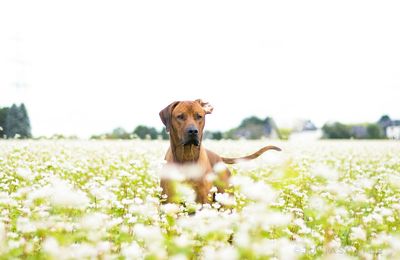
91, 66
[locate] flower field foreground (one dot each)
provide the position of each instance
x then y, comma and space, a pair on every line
101, 200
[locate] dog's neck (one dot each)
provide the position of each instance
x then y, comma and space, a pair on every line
185, 153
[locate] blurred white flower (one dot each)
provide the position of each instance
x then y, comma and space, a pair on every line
358, 233
171, 172
223, 253
303, 227
364, 183
242, 237
273, 219
51, 247
114, 222
63, 195
178, 257
132, 251
182, 241
191, 171
186, 193
339, 189
258, 191
102, 193
219, 167
144, 210
2, 237
148, 233
24, 225
317, 203
81, 251
170, 208
25, 173
225, 199
322, 170
94, 221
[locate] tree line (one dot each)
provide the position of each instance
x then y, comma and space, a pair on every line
250, 128
337, 130
141, 132
14, 122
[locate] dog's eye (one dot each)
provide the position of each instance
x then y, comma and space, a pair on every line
198, 116
180, 116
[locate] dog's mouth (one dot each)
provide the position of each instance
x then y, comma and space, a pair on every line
192, 141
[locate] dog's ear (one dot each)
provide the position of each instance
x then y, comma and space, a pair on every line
166, 114
206, 106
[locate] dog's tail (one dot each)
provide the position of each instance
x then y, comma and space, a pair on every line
251, 156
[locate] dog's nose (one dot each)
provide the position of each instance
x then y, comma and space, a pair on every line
191, 130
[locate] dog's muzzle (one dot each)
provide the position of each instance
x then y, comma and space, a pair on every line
192, 136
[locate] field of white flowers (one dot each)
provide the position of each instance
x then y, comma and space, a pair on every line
101, 200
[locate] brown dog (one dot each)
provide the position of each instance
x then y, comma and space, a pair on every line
184, 120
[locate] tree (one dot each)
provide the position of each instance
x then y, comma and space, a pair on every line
25, 124
374, 131
285, 133
253, 120
336, 131
384, 122
164, 134
144, 132
119, 133
3, 115
153, 133
255, 128
17, 122
217, 135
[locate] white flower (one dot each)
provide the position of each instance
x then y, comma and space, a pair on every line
132, 251
148, 233
51, 247
219, 167
258, 191
114, 222
178, 257
2, 237
170, 208
186, 193
191, 171
24, 225
227, 252
358, 233
80, 251
225, 199
275, 219
64, 196
60, 193
144, 210
182, 240
25, 173
102, 193
170, 172
322, 170
317, 203
94, 221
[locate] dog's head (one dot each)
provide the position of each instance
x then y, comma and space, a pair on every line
185, 120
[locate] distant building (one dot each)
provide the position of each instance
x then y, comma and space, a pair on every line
270, 129
393, 132
390, 127
359, 132
305, 130
255, 128
304, 126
